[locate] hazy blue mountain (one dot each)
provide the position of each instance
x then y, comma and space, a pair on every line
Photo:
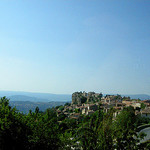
29, 96
25, 106
140, 96
134, 96
47, 97
26, 98
24, 101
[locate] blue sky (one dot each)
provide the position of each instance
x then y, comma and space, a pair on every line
63, 46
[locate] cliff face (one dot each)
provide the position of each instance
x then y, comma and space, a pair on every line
93, 97
79, 98
82, 97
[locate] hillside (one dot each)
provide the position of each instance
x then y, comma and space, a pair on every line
47, 97
140, 96
30, 96
25, 106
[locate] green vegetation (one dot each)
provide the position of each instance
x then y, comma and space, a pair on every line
46, 130
61, 108
143, 105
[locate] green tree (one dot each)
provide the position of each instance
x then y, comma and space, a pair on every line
36, 110
61, 108
125, 134
143, 106
97, 133
13, 130
67, 104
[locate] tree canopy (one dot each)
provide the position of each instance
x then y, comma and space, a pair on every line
46, 130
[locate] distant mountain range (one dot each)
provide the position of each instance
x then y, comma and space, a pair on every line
35, 97
135, 96
140, 96
48, 97
25, 106
24, 101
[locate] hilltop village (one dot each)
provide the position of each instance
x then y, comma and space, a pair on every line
87, 103
91, 121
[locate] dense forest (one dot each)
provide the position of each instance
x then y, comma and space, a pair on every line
47, 131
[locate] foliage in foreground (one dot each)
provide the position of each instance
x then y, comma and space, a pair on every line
43, 131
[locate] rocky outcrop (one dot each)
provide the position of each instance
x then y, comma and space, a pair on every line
79, 98
83, 97
93, 97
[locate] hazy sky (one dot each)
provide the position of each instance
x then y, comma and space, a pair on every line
63, 46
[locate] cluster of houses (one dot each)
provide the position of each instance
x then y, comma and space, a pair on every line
88, 103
